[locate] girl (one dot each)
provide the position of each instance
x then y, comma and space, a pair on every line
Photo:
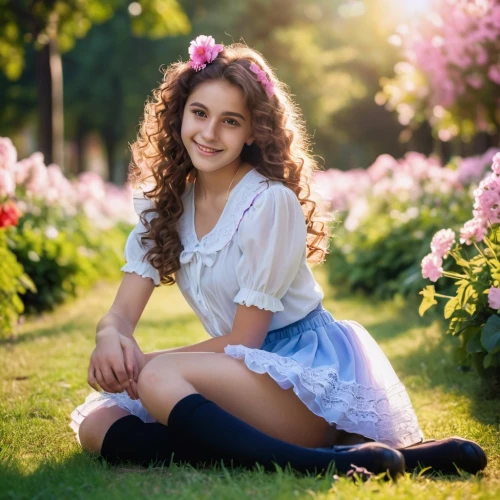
232, 221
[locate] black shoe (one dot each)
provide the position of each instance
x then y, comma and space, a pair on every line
375, 457
446, 455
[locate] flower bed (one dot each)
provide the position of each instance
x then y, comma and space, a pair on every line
57, 236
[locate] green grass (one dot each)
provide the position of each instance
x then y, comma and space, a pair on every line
43, 377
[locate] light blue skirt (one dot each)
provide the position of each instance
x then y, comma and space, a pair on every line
336, 369
340, 373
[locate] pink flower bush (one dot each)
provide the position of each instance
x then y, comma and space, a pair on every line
475, 274
451, 71
203, 50
408, 180
472, 169
32, 182
486, 206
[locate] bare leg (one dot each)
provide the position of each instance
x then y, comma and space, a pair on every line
254, 398
96, 424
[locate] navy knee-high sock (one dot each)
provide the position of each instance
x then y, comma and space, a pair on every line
130, 440
213, 428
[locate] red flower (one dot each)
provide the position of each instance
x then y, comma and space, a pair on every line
9, 214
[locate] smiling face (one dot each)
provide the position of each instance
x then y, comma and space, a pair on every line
216, 124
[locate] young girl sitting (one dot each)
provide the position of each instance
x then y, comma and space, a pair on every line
231, 220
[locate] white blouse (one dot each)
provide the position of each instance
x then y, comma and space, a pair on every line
255, 255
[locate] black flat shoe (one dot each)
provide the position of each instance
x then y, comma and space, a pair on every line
446, 455
375, 457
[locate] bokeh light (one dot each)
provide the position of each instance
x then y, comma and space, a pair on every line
135, 9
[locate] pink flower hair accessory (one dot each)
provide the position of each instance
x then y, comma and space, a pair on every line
203, 50
262, 78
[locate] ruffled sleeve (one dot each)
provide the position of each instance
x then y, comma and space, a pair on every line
135, 251
272, 238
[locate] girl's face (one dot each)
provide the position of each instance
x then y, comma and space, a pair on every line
216, 124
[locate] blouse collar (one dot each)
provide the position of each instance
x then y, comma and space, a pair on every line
240, 200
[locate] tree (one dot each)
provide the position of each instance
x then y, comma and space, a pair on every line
53, 26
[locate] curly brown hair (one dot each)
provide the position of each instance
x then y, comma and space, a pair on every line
280, 151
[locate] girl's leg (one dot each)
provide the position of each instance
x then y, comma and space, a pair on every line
120, 437
171, 388
254, 398
95, 426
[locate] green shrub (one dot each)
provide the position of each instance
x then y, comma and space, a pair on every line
382, 256
13, 283
65, 261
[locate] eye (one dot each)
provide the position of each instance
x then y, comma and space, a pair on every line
232, 122
198, 111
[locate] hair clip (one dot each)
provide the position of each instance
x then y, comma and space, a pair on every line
203, 50
262, 78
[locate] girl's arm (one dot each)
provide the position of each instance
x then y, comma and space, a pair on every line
250, 327
113, 363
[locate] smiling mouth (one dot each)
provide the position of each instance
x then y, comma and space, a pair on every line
207, 150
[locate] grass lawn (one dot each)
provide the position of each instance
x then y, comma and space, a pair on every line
43, 377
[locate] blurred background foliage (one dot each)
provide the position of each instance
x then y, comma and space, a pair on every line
332, 54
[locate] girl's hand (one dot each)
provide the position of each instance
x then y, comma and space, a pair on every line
133, 354
112, 366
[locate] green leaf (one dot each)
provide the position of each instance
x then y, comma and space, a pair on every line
428, 301
463, 263
488, 360
474, 345
490, 336
450, 307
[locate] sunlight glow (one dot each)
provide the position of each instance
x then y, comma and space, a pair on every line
416, 6
353, 8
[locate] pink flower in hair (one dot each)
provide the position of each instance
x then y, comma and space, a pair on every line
203, 50
262, 78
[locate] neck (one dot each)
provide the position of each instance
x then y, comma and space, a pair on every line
214, 185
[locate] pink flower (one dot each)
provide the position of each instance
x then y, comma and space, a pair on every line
496, 164
264, 81
494, 297
442, 242
8, 153
203, 50
37, 182
432, 267
494, 74
474, 229
7, 184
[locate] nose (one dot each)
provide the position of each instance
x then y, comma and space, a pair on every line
210, 131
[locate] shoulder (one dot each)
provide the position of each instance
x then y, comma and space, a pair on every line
274, 197
276, 205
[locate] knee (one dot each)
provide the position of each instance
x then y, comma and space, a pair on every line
88, 433
95, 426
155, 375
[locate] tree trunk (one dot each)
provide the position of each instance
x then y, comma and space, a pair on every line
110, 145
50, 98
44, 103
57, 92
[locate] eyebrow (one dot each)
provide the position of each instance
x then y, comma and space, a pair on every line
225, 113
